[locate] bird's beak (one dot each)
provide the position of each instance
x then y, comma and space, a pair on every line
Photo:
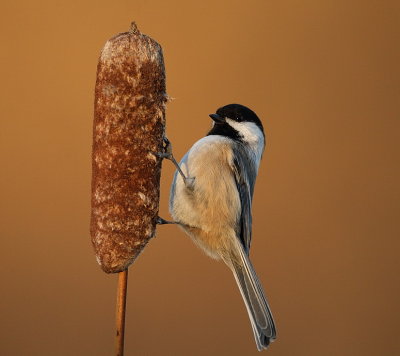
218, 119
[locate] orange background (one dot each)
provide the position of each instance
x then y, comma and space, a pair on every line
324, 78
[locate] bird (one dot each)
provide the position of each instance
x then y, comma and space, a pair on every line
211, 198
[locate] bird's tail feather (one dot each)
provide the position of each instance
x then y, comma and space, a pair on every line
253, 295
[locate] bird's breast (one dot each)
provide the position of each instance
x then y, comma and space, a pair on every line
211, 206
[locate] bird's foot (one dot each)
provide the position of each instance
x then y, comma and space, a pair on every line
168, 155
161, 221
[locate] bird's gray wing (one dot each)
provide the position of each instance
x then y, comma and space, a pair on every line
245, 175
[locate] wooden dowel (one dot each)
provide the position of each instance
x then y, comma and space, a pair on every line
120, 313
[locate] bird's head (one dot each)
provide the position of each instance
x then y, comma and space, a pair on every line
238, 123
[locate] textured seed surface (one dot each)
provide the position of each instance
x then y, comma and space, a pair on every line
128, 128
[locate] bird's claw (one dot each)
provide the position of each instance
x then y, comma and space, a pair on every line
167, 146
167, 150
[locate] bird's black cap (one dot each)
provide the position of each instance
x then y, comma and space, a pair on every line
240, 113
236, 112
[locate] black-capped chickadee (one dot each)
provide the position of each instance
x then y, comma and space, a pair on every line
211, 197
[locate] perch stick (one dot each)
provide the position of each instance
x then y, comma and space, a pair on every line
120, 312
